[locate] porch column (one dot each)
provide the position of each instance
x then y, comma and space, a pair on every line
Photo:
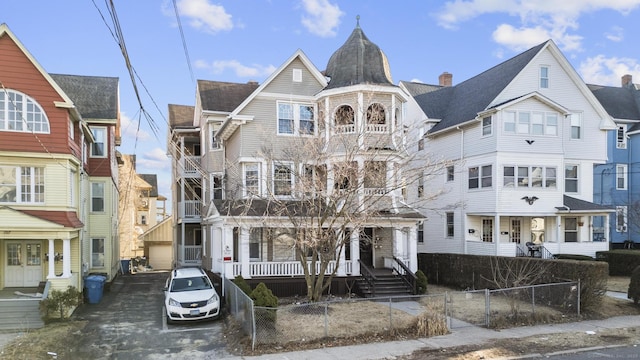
341, 258
355, 251
243, 248
412, 252
398, 243
607, 234
496, 233
50, 260
558, 229
66, 258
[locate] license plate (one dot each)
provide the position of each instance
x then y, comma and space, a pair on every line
194, 312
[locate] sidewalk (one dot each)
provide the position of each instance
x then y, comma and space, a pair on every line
458, 337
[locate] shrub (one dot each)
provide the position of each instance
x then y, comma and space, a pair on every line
574, 257
242, 284
634, 286
621, 262
263, 297
60, 303
421, 282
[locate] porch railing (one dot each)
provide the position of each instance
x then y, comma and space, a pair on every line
369, 277
191, 208
377, 128
406, 274
191, 165
192, 253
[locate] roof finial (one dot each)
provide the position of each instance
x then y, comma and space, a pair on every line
357, 21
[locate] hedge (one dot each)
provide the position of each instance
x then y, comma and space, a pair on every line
621, 262
475, 272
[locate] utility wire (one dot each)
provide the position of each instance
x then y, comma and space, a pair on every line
184, 42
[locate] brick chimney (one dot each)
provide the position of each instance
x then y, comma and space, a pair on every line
627, 80
445, 79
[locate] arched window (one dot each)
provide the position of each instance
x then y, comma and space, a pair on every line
345, 115
19, 112
375, 114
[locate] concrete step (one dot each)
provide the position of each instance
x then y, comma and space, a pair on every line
18, 314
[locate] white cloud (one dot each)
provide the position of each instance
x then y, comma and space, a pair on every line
154, 160
322, 18
553, 19
239, 69
202, 14
130, 129
604, 70
616, 34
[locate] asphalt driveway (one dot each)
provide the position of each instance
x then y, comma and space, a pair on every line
129, 323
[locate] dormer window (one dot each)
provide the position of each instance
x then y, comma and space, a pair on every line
486, 126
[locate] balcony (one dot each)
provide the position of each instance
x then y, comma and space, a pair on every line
190, 166
190, 209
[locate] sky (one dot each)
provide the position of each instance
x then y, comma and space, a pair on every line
171, 44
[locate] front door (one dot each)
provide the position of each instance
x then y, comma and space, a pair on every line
366, 248
23, 264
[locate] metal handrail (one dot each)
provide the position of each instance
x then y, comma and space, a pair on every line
368, 276
409, 277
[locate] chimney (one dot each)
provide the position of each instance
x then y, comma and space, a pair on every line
252, 82
627, 80
445, 79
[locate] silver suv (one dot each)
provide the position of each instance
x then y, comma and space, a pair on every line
189, 295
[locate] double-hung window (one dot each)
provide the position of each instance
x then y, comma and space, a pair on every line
487, 126
450, 227
98, 148
529, 177
544, 77
97, 252
296, 119
576, 126
570, 229
450, 173
480, 177
621, 218
621, 177
530, 123
97, 197
571, 178
251, 179
282, 179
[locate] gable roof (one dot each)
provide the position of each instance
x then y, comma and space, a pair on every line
457, 104
66, 103
152, 180
223, 96
96, 97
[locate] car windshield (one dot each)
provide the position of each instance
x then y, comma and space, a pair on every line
190, 284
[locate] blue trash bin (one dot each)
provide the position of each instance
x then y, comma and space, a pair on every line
94, 285
125, 265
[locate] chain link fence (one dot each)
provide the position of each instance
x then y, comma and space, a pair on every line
416, 316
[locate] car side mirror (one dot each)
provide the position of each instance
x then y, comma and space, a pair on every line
165, 288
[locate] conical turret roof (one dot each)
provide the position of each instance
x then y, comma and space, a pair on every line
358, 61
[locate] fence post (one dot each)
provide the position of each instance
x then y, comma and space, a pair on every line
578, 305
390, 320
446, 309
326, 318
253, 330
533, 299
487, 307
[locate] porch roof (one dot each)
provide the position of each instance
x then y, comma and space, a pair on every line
283, 209
68, 219
572, 204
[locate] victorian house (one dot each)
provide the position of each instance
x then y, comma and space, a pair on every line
259, 168
520, 141
58, 172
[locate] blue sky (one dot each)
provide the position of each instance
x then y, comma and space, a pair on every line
242, 41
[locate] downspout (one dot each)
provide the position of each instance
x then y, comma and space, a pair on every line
628, 179
462, 195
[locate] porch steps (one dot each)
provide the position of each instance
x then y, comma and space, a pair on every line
386, 284
20, 314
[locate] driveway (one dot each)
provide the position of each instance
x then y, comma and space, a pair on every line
129, 323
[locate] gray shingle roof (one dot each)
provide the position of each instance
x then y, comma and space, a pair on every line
151, 179
223, 96
181, 116
460, 103
574, 204
619, 102
358, 61
95, 97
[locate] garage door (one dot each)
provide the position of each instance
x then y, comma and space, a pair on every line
160, 257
